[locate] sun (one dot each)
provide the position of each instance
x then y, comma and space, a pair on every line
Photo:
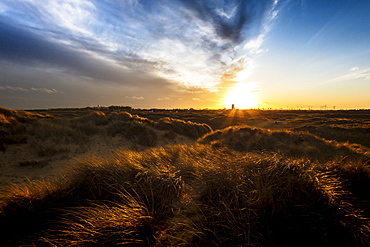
242, 95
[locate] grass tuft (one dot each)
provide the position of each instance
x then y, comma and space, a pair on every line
95, 117
290, 144
120, 116
186, 128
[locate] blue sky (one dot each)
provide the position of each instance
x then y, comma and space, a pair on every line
184, 53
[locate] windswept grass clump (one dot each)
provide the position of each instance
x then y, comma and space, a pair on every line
340, 133
190, 195
128, 223
186, 128
276, 203
8, 116
120, 116
136, 131
12, 126
118, 187
142, 135
59, 135
5, 120
95, 117
290, 144
355, 178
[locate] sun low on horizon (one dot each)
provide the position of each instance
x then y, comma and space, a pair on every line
242, 95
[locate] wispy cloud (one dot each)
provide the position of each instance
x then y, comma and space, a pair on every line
44, 90
356, 74
163, 98
188, 42
14, 88
181, 48
355, 68
135, 97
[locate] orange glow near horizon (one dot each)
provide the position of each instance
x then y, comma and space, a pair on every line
242, 95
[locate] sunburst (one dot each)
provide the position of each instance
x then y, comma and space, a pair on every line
242, 96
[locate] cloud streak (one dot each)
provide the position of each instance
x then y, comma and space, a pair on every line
14, 88
44, 90
356, 74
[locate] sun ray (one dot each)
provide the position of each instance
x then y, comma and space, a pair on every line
242, 96
229, 119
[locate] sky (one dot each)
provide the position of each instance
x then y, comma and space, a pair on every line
267, 54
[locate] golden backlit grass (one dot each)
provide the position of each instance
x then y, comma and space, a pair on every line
239, 186
193, 195
288, 143
12, 126
9, 116
185, 128
342, 126
50, 136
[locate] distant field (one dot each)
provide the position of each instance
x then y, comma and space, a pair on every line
351, 126
343, 126
80, 177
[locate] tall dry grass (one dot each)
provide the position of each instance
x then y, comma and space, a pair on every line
192, 195
49, 135
239, 186
13, 126
288, 143
136, 131
186, 128
95, 117
9, 116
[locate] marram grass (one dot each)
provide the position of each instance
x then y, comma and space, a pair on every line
192, 196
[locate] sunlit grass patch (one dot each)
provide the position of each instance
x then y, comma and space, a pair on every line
186, 128
9, 116
95, 117
240, 186
99, 224
190, 195
5, 120
288, 143
97, 180
120, 116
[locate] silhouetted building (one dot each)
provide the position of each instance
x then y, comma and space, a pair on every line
232, 107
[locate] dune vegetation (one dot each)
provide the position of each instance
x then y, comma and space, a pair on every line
173, 182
